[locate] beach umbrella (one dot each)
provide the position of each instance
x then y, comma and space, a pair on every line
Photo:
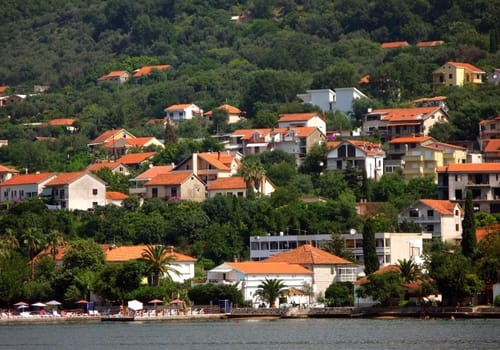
155, 301
53, 303
177, 301
135, 305
81, 302
39, 304
21, 303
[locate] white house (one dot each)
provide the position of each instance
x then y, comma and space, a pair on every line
181, 112
361, 155
24, 186
248, 275
7, 173
327, 268
328, 100
77, 190
441, 218
295, 120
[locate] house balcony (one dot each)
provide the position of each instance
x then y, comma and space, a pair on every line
138, 190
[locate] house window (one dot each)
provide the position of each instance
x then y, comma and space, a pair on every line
94, 191
63, 204
173, 191
94, 204
457, 213
430, 228
61, 194
379, 242
349, 243
339, 164
413, 213
359, 243
387, 258
458, 194
154, 192
457, 227
450, 76
387, 242
430, 213
240, 194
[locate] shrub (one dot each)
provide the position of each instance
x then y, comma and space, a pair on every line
497, 300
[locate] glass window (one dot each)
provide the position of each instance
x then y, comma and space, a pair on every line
430, 213
94, 191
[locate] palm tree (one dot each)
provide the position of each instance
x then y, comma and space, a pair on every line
409, 270
34, 242
8, 243
270, 290
56, 240
159, 260
253, 172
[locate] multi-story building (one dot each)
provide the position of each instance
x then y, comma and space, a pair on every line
482, 179
362, 155
328, 100
441, 218
456, 74
403, 122
399, 147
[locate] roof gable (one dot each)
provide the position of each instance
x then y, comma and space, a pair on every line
154, 171
444, 207
466, 66
307, 255
68, 178
116, 196
228, 183
135, 158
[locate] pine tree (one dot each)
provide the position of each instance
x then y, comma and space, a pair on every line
372, 263
468, 227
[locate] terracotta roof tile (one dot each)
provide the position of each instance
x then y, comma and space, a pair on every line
154, 171
307, 255
406, 114
293, 117
482, 232
470, 168
230, 109
135, 158
62, 121
227, 183
178, 107
127, 253
467, 66
444, 207
492, 145
4, 169
28, 179
430, 43
412, 139
278, 268
66, 178
105, 136
116, 196
394, 44
103, 164
172, 178
381, 271
113, 74
146, 70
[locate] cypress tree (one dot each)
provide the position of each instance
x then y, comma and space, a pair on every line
468, 227
372, 263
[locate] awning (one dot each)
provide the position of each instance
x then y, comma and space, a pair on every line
221, 270
257, 144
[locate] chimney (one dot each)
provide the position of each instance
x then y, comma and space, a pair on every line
236, 259
171, 249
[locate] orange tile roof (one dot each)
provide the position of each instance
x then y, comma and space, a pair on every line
230, 109
247, 134
364, 79
154, 171
172, 178
116, 196
28, 179
430, 43
112, 74
307, 255
3, 89
470, 168
104, 164
61, 251
444, 207
294, 117
227, 183
62, 121
406, 114
127, 253
394, 44
213, 159
303, 131
365, 146
492, 146
466, 66
4, 169
66, 178
105, 136
381, 271
482, 232
278, 268
177, 107
135, 158
411, 139
146, 70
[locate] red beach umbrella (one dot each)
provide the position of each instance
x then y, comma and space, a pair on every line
21, 303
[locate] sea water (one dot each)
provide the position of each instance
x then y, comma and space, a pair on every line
289, 334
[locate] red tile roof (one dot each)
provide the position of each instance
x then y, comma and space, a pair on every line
430, 43
28, 179
146, 70
116, 196
154, 171
135, 158
62, 121
4, 169
112, 74
367, 147
467, 66
178, 107
482, 232
66, 178
406, 114
107, 135
492, 146
435, 98
394, 44
227, 183
411, 139
278, 268
230, 109
294, 117
172, 178
307, 255
127, 253
103, 164
3, 89
364, 79
470, 168
444, 207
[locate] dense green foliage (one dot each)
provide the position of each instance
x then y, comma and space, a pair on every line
270, 290
369, 247
468, 227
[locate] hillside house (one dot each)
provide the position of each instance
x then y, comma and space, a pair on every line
236, 186
296, 120
394, 45
234, 114
139, 181
328, 100
441, 218
115, 167
136, 160
115, 77
399, 147
115, 198
178, 185
180, 112
456, 74
364, 156
7, 173
210, 166
24, 186
76, 191
147, 70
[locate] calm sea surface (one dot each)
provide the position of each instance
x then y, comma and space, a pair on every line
300, 334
